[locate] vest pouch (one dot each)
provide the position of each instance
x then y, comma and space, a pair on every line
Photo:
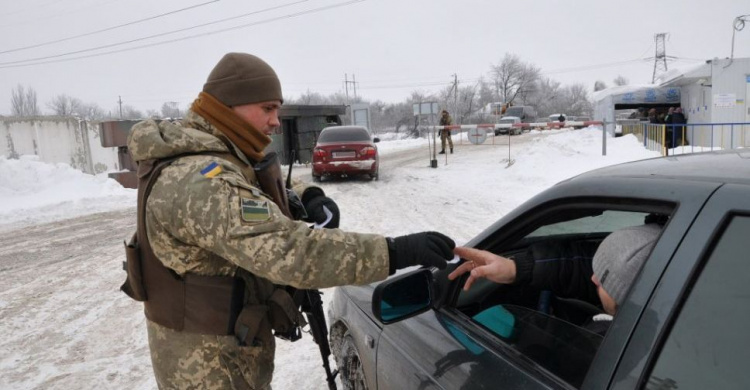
252, 327
133, 285
212, 303
286, 319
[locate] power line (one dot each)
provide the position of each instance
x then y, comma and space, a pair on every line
151, 36
591, 67
108, 28
191, 36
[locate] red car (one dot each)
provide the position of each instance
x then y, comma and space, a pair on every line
345, 151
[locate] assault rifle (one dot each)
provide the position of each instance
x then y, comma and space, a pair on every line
309, 302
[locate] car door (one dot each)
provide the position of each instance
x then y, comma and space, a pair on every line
694, 331
446, 348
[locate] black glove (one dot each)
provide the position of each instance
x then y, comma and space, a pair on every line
430, 249
315, 213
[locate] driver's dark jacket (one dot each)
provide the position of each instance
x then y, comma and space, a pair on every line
563, 267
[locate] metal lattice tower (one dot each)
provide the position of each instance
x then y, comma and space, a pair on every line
660, 57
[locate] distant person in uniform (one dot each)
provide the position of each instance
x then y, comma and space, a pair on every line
213, 244
445, 134
561, 118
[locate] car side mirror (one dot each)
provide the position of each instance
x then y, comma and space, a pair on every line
403, 296
376, 140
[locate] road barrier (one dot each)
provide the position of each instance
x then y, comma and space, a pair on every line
522, 126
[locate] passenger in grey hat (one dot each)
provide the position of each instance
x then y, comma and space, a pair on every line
613, 269
618, 260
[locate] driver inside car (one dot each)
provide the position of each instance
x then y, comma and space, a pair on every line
613, 269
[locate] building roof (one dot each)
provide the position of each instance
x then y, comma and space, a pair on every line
687, 75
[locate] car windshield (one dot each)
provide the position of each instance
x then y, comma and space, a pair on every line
514, 111
344, 134
505, 120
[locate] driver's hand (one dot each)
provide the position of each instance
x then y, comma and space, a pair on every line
483, 264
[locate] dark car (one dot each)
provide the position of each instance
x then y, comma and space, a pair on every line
683, 324
345, 151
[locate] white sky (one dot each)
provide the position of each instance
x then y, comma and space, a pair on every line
392, 46
107, 347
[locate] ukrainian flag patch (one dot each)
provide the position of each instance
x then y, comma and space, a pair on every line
254, 210
211, 170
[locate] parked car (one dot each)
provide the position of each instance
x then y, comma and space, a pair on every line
526, 113
345, 151
683, 323
556, 118
509, 120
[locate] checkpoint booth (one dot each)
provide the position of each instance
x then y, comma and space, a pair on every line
609, 101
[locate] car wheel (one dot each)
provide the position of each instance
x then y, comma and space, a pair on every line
350, 366
374, 176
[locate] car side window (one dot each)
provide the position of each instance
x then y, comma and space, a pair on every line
552, 325
608, 221
708, 346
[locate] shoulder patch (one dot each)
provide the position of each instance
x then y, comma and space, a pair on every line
254, 210
211, 170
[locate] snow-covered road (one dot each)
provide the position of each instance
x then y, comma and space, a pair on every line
65, 324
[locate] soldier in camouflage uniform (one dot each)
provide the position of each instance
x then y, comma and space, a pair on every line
445, 134
206, 215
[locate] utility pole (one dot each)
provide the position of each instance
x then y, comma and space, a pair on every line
354, 83
346, 86
455, 97
119, 100
660, 57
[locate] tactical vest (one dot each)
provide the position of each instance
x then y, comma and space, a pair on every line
203, 304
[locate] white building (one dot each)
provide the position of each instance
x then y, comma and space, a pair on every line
715, 92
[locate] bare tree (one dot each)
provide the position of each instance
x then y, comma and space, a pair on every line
129, 112
170, 110
578, 100
64, 105
513, 78
599, 85
548, 97
620, 81
24, 102
18, 101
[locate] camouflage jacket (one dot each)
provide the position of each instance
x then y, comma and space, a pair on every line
204, 217
445, 120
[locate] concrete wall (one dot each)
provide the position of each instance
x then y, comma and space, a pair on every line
57, 140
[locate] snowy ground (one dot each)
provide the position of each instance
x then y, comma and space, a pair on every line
66, 325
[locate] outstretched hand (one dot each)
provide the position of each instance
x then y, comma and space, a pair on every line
483, 264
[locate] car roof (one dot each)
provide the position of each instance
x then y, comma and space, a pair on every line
346, 128
730, 166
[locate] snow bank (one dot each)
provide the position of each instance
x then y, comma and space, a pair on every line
32, 191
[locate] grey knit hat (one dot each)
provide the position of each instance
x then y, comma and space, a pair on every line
621, 255
241, 78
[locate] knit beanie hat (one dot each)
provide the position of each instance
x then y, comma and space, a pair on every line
241, 78
621, 255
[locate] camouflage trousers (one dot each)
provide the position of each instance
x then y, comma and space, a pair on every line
194, 361
446, 135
